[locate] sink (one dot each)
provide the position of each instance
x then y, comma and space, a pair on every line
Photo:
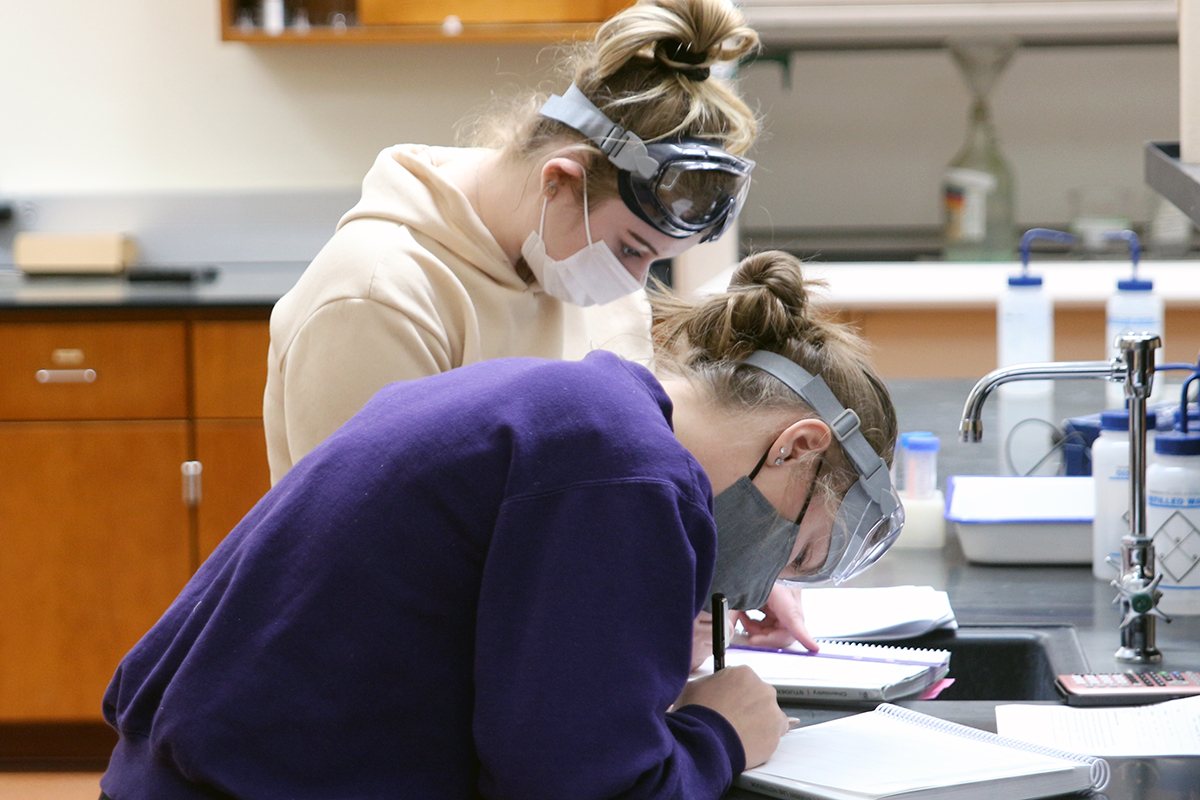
1005, 662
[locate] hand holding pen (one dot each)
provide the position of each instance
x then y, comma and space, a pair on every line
738, 695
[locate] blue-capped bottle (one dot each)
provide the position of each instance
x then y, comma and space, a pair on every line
1133, 308
1025, 334
1173, 513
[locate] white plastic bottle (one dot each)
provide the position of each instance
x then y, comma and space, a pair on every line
1133, 308
273, 15
1025, 334
1173, 519
1110, 472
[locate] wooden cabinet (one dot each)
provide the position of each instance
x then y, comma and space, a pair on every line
97, 418
374, 21
229, 361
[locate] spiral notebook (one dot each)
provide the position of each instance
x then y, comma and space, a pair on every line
894, 752
842, 671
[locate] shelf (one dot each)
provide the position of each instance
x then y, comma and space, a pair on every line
430, 21
429, 34
1173, 179
842, 24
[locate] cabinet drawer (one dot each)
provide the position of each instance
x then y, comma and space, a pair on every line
92, 370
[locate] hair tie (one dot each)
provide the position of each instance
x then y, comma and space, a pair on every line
678, 51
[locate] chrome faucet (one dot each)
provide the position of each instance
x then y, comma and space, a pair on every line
1137, 585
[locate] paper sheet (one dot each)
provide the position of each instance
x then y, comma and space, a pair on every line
1164, 729
875, 614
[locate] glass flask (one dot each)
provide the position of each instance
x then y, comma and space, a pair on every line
977, 186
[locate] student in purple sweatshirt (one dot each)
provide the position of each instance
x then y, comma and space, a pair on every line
484, 584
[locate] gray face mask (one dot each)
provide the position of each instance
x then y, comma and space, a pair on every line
754, 544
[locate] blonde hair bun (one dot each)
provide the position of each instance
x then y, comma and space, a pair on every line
684, 35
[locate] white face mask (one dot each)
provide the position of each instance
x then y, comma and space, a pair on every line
592, 276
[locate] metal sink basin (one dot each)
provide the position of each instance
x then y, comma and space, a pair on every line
1005, 662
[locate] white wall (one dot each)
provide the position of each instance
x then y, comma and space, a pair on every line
141, 95
134, 96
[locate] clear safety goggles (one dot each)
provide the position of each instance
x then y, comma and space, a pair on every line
681, 187
870, 516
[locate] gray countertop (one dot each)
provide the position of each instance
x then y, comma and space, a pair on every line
236, 285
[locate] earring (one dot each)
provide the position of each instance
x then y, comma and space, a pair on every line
779, 461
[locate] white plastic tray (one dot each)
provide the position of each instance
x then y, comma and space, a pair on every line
1011, 520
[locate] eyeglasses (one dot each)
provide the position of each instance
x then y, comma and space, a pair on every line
870, 516
680, 187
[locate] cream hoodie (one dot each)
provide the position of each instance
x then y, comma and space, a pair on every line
410, 285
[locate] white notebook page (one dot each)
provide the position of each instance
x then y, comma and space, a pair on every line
875, 612
875, 754
1164, 729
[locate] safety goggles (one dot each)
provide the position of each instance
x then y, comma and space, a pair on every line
681, 187
870, 516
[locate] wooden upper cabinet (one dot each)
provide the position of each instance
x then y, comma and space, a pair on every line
375, 21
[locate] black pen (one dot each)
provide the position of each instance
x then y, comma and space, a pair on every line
720, 610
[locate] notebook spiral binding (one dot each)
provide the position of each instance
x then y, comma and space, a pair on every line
1100, 770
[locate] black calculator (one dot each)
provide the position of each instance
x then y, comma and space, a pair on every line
1126, 688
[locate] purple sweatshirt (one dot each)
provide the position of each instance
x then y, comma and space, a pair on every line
483, 585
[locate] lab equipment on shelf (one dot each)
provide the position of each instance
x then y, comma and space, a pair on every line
273, 17
1110, 469
977, 186
1173, 513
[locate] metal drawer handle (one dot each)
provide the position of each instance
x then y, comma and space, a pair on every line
191, 482
65, 375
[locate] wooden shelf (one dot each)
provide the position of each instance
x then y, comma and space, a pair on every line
428, 34
537, 24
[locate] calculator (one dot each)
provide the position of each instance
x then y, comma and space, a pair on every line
1126, 688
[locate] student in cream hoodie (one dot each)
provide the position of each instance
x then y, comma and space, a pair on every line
537, 244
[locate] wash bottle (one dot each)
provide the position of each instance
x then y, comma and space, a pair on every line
1132, 308
1173, 512
1025, 334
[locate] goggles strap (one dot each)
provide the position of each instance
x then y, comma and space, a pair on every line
845, 423
623, 148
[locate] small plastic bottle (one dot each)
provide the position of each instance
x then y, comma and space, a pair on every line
898, 461
924, 504
1110, 472
273, 15
1132, 308
1173, 515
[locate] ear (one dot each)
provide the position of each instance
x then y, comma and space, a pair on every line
558, 172
799, 440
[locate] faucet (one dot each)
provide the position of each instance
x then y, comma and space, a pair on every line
1137, 585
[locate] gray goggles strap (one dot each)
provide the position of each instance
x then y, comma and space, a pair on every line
842, 421
623, 148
